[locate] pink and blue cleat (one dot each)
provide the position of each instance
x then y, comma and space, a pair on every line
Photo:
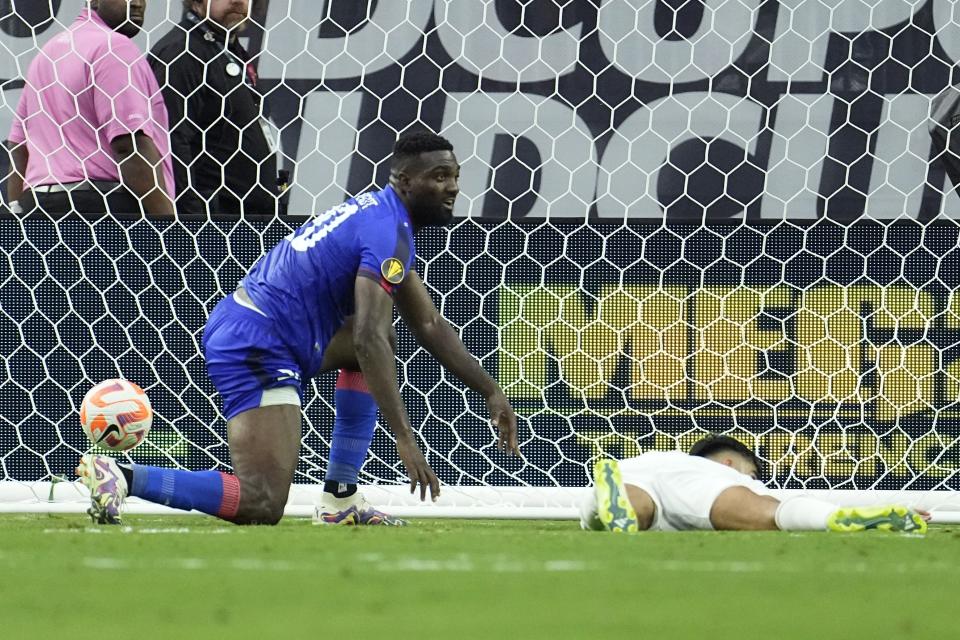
108, 487
354, 510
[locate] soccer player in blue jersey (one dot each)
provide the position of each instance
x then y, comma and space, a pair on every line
321, 300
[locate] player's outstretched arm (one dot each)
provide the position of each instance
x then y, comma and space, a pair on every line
371, 341
436, 335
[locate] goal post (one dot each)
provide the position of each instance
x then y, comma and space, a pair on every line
671, 223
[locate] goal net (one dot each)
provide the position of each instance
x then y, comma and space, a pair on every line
677, 217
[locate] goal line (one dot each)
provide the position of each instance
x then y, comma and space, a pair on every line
515, 503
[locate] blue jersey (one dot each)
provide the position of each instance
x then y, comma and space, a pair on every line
306, 283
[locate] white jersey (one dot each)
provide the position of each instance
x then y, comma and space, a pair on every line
683, 487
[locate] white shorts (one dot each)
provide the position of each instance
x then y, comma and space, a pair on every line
683, 487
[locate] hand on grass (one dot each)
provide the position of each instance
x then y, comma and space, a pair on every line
417, 468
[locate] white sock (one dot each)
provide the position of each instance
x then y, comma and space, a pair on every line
800, 513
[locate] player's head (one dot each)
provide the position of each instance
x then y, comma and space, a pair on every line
232, 15
123, 16
425, 174
728, 451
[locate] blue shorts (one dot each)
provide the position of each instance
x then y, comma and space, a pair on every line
245, 357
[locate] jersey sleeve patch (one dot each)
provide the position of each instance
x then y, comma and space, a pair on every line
392, 270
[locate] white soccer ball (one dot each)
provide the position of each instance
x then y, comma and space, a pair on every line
116, 414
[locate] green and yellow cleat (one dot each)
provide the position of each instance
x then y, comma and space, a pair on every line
889, 518
613, 507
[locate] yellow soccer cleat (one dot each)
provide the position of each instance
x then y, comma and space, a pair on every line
889, 518
613, 508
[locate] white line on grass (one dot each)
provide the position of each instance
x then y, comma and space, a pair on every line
463, 563
377, 563
106, 563
178, 530
565, 565
709, 566
752, 566
149, 530
258, 564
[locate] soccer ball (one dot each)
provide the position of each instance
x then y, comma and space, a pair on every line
116, 414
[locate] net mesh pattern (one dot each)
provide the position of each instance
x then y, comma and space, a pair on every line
676, 218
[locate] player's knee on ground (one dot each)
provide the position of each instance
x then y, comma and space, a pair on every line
260, 503
643, 505
740, 509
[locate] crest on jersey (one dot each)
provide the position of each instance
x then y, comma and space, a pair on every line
392, 270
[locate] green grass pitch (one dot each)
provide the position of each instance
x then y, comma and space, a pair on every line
195, 577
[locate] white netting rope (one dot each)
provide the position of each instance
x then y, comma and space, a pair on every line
681, 217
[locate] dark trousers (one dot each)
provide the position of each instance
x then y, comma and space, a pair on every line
89, 201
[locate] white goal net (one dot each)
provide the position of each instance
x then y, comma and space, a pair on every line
677, 217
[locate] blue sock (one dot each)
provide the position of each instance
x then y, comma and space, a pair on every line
352, 428
212, 492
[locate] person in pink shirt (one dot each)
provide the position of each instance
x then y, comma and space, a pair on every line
90, 134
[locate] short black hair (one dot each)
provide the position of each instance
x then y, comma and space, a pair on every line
410, 145
714, 443
255, 5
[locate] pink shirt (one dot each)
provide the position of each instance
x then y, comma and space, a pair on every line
87, 86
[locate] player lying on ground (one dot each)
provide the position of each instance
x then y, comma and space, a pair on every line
716, 487
321, 300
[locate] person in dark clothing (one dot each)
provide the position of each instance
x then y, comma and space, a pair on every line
223, 151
